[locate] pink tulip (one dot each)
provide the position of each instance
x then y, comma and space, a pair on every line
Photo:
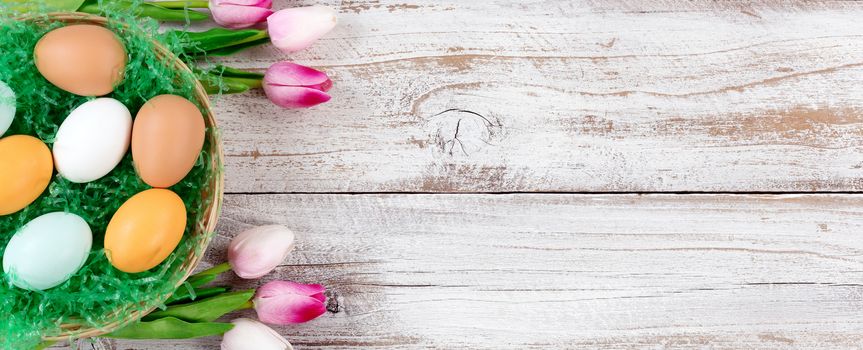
291, 85
295, 29
237, 14
252, 335
257, 251
283, 302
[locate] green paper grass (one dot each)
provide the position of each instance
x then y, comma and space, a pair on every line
95, 294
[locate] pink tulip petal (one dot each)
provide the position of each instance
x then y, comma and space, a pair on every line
295, 29
291, 85
235, 17
250, 334
256, 3
289, 309
326, 86
292, 74
295, 97
321, 297
249, 264
287, 287
257, 251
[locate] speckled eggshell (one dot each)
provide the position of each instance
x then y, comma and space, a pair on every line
83, 59
167, 139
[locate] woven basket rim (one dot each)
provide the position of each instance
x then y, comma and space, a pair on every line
214, 190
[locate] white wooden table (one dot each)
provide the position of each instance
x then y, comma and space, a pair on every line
564, 174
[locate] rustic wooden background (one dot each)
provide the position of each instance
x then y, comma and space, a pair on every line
526, 174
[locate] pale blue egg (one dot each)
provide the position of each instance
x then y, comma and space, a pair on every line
7, 107
47, 251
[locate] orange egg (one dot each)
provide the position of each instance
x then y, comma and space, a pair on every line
145, 230
86, 60
167, 138
26, 168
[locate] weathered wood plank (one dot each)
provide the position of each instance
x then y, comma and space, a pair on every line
457, 96
566, 271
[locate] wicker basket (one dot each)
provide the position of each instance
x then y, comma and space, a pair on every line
214, 190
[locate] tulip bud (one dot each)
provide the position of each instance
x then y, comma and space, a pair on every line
295, 29
291, 85
252, 335
240, 13
284, 302
257, 251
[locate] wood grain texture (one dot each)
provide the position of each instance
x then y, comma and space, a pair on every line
565, 271
571, 96
564, 96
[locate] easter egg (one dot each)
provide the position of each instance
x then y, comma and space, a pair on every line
145, 230
167, 139
25, 171
83, 59
7, 107
47, 251
92, 140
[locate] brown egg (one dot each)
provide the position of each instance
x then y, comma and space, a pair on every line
167, 139
85, 60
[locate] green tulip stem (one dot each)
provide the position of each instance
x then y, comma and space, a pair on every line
219, 41
248, 305
170, 328
181, 5
205, 310
215, 270
45, 345
153, 10
263, 34
251, 83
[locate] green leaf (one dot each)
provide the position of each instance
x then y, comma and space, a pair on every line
170, 328
204, 277
229, 72
227, 87
217, 37
44, 345
199, 281
217, 41
144, 9
182, 295
184, 4
227, 80
206, 310
215, 270
45, 5
230, 50
164, 14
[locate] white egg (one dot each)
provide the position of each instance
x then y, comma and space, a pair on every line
92, 140
7, 107
47, 251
